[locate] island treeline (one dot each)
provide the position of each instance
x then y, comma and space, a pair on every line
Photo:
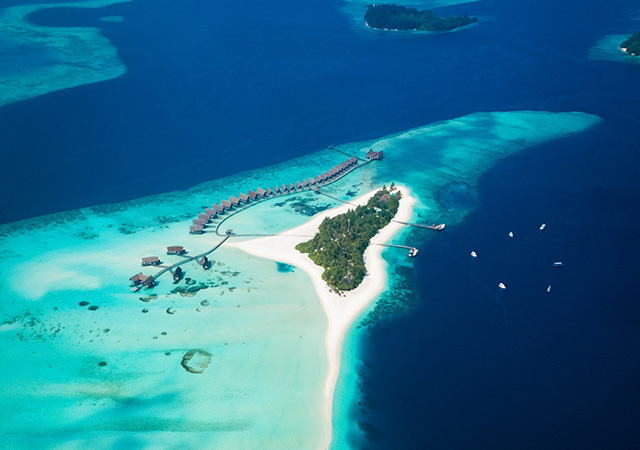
395, 17
340, 242
632, 44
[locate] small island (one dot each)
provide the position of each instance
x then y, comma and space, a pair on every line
631, 45
340, 242
398, 18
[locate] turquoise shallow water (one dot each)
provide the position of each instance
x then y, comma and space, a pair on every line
263, 327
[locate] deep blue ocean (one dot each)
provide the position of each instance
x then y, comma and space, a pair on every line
213, 88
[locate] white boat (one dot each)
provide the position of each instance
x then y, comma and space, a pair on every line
502, 286
558, 264
510, 234
542, 227
474, 254
549, 288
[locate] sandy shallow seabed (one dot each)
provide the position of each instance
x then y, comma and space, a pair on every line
341, 311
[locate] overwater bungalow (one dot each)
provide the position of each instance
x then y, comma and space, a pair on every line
323, 177
176, 250
305, 184
253, 195
150, 261
201, 222
149, 282
218, 208
315, 189
211, 213
229, 232
292, 187
261, 192
141, 279
312, 181
277, 190
137, 279
284, 189
353, 160
204, 217
244, 198
196, 229
371, 155
234, 200
318, 179
226, 204
269, 192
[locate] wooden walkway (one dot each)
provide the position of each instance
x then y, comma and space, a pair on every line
310, 189
409, 224
189, 259
347, 154
393, 246
335, 198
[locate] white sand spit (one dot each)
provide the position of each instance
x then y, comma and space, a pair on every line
341, 311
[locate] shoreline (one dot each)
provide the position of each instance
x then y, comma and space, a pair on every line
341, 311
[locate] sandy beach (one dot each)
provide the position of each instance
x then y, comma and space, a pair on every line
342, 310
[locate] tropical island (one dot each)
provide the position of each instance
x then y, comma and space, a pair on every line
631, 45
340, 242
395, 17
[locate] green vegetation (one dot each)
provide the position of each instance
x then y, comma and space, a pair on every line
340, 242
394, 17
632, 44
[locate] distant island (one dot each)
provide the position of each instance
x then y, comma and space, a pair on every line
340, 242
395, 17
631, 45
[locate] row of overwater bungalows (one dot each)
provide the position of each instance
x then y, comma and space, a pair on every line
209, 214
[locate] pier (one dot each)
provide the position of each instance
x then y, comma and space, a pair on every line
311, 184
435, 227
406, 247
346, 154
412, 250
186, 260
318, 191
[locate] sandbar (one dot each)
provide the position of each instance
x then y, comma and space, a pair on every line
341, 310
74, 55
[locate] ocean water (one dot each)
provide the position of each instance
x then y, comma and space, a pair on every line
233, 88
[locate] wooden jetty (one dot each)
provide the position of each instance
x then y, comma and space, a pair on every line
236, 204
412, 250
333, 197
150, 281
435, 227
